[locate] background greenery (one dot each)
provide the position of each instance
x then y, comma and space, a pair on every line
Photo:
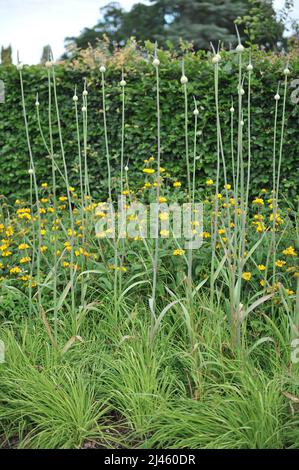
140, 141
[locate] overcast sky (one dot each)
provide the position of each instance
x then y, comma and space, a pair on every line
28, 25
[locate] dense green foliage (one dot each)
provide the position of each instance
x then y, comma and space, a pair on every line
140, 139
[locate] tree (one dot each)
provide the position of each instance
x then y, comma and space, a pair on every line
46, 54
197, 21
6, 55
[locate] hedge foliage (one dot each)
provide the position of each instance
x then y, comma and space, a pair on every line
140, 140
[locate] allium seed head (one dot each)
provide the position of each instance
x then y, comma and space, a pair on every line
216, 58
184, 80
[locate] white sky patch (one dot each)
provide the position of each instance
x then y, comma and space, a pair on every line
28, 25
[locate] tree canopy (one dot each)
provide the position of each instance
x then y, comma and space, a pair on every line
196, 21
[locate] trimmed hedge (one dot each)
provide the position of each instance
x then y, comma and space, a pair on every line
141, 120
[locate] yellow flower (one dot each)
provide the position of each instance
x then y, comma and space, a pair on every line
162, 199
258, 201
15, 270
23, 246
290, 292
62, 198
43, 248
44, 185
264, 190
162, 169
280, 263
164, 216
206, 235
147, 185
219, 196
227, 186
262, 282
164, 233
177, 184
151, 159
148, 171
246, 276
26, 259
290, 251
43, 232
261, 267
10, 231
71, 189
221, 231
65, 264
178, 252
209, 182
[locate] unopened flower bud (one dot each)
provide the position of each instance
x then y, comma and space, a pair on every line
240, 48
156, 62
232, 109
84, 109
216, 58
49, 64
196, 112
277, 97
75, 98
20, 66
85, 93
30, 171
184, 80
250, 67
123, 83
102, 69
286, 71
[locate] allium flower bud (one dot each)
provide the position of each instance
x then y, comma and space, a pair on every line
184, 80
241, 91
20, 66
250, 67
84, 109
30, 171
286, 71
85, 93
49, 64
216, 58
102, 69
156, 62
196, 112
75, 98
126, 168
240, 48
123, 83
232, 109
37, 103
277, 97
242, 123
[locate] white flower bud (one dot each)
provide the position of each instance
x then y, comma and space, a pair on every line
84, 109
49, 64
20, 66
156, 62
232, 109
30, 171
184, 80
241, 91
123, 83
85, 93
286, 71
75, 98
102, 69
196, 112
277, 97
240, 48
126, 168
250, 67
37, 104
242, 123
216, 58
